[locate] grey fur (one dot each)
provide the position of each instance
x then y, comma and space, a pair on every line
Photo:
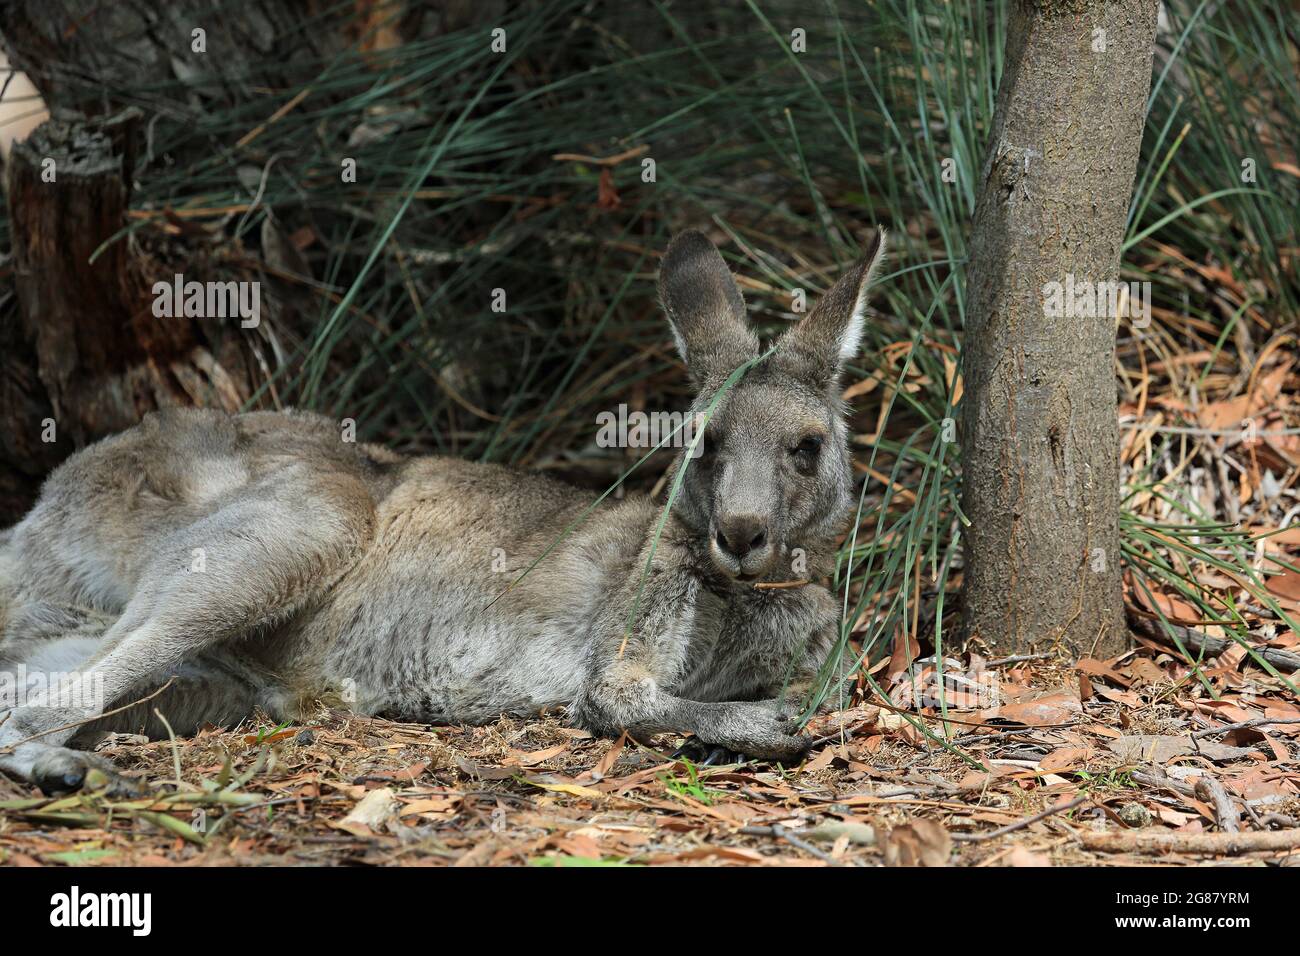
261, 560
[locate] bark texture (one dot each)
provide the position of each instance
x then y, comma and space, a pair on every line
79, 345
1040, 439
86, 356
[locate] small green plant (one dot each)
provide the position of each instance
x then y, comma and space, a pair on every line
265, 733
1116, 778
691, 786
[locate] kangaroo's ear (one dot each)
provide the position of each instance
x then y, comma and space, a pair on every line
832, 333
704, 307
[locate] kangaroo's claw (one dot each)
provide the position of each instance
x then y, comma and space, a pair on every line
707, 755
60, 771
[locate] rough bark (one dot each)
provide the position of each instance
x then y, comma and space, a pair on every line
79, 345
1040, 439
84, 350
97, 57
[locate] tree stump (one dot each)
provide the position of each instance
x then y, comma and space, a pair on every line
86, 356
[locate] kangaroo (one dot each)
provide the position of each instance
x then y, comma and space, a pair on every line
205, 564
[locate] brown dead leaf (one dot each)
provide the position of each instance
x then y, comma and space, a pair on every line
609, 758
739, 854
539, 756
1175, 818
739, 813
1060, 706
1174, 608
1126, 697
370, 814
1225, 414
607, 197
919, 843
905, 650
1065, 759
579, 845
1096, 668
1261, 783
1023, 856
1285, 586
404, 775
440, 804
823, 759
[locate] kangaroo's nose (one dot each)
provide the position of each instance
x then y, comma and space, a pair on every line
740, 534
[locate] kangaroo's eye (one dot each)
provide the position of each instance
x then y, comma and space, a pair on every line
808, 446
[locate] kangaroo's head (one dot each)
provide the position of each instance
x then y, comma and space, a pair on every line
775, 471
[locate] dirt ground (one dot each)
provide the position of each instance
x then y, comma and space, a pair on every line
1108, 762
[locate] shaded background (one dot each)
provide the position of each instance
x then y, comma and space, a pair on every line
522, 170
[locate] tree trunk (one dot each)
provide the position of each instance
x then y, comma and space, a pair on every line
1040, 443
88, 357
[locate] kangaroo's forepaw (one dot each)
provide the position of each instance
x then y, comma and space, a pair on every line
763, 731
60, 771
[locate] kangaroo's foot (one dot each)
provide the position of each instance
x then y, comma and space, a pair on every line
60, 770
708, 755
760, 729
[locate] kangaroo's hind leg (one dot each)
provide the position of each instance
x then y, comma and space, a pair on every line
247, 566
214, 688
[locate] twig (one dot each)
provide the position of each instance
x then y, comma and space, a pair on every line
843, 735
78, 723
1245, 725
598, 161
1017, 658
1212, 792
1157, 778
1207, 432
1281, 819
781, 833
1202, 642
1254, 817
1017, 825
275, 117
1230, 844
176, 751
